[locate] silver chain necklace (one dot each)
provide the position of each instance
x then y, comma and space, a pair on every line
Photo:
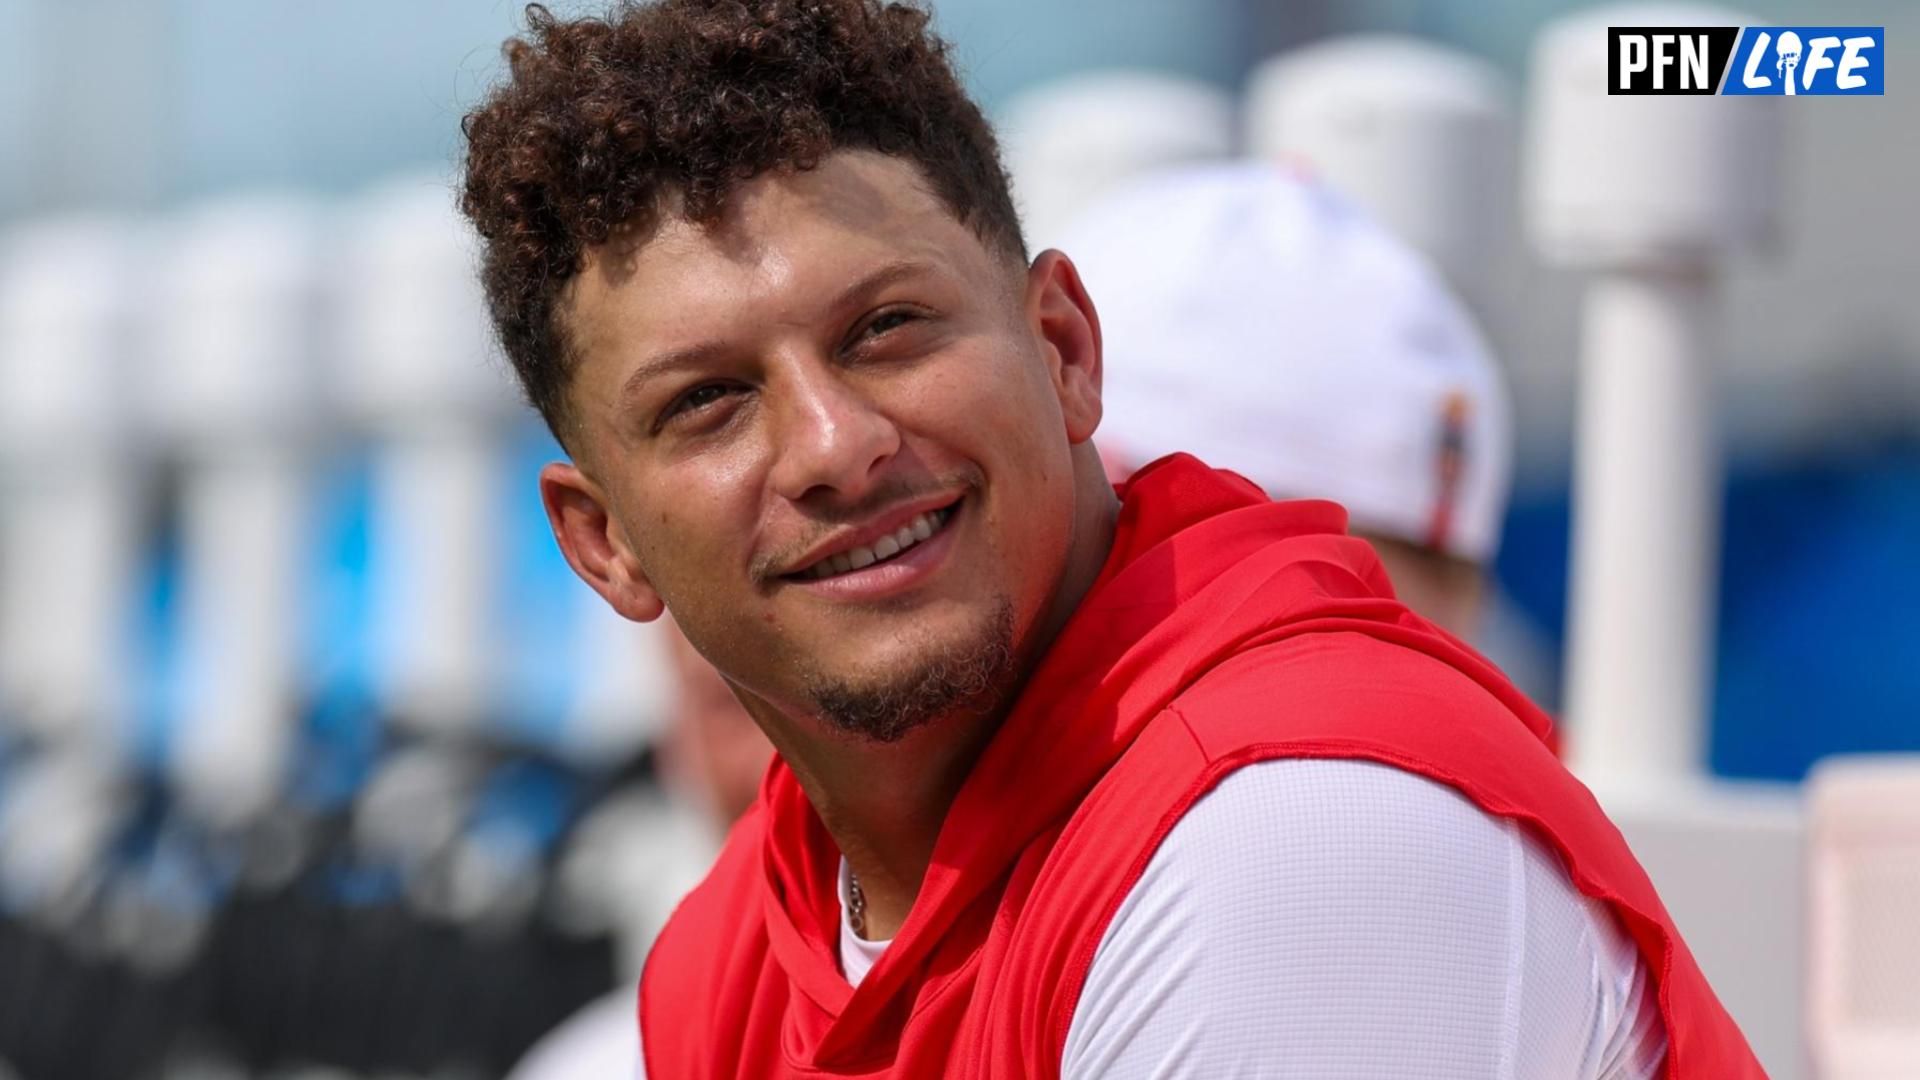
856, 905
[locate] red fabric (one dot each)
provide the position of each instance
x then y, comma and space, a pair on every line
1224, 630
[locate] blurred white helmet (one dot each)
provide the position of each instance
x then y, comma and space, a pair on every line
1261, 323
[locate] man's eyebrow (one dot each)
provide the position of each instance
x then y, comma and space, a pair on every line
697, 355
881, 277
667, 362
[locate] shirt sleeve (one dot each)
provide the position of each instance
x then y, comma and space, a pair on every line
1343, 919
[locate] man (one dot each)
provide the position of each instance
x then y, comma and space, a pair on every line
1258, 321
711, 754
712, 757
1048, 753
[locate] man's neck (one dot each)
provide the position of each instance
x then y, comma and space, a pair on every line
885, 803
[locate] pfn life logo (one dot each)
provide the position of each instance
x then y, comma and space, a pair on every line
1746, 60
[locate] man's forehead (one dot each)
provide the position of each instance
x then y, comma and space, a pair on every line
852, 196
782, 237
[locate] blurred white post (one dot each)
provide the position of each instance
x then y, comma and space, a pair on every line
70, 473
1070, 140
1645, 526
1650, 195
233, 389
1418, 135
418, 373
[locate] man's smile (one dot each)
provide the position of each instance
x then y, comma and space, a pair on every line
883, 558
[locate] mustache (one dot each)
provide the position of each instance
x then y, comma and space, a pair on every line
826, 519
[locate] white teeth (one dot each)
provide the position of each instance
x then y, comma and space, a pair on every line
920, 528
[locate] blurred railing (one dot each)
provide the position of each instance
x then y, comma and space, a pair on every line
302, 720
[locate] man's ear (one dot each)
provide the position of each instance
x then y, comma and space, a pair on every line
594, 544
1062, 315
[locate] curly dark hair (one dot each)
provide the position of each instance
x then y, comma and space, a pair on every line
603, 117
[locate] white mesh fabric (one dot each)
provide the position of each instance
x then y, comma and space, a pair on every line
1333, 919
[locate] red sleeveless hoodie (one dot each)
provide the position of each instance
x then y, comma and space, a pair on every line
1224, 630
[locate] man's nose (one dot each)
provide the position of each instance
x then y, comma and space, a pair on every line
827, 434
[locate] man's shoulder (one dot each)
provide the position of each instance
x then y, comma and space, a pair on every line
1318, 695
1311, 913
1290, 819
1333, 686
1266, 816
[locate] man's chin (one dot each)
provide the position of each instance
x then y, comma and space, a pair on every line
968, 673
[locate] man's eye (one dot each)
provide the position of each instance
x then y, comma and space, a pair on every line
889, 320
704, 395
697, 398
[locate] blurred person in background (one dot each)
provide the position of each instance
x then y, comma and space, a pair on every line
712, 757
712, 753
1257, 320
1069, 778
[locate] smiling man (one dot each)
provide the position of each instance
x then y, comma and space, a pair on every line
1071, 781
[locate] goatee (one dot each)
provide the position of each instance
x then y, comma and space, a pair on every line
970, 677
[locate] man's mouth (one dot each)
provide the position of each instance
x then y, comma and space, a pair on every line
923, 527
